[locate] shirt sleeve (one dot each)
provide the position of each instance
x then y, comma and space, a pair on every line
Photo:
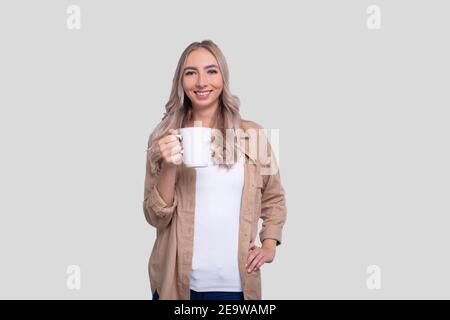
156, 211
273, 202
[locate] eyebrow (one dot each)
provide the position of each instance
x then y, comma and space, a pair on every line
207, 67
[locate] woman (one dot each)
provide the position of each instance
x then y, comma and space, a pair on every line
212, 256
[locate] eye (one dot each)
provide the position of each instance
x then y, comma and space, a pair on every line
212, 71
188, 73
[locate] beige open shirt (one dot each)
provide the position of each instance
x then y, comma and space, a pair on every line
170, 263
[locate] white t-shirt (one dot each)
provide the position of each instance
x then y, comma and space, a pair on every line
218, 195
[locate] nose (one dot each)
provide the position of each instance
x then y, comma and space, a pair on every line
201, 80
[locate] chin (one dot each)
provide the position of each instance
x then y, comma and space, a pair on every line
204, 103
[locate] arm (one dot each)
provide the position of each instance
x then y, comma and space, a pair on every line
273, 214
166, 183
159, 192
273, 203
273, 210
270, 244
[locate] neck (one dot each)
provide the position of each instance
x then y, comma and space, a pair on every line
207, 116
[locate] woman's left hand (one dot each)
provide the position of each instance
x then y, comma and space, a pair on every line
258, 256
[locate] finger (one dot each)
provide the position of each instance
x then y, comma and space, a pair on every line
176, 159
257, 260
259, 265
252, 254
250, 257
174, 133
175, 150
169, 146
251, 261
254, 262
170, 138
251, 246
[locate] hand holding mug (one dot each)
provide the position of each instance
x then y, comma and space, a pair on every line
196, 146
170, 148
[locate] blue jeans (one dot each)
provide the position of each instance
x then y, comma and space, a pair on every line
211, 295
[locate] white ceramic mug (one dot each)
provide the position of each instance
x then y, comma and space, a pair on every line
196, 143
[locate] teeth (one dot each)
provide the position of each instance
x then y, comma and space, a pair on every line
202, 93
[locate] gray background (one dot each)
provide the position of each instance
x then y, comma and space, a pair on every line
364, 139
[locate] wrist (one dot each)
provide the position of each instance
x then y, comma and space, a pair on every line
269, 243
167, 166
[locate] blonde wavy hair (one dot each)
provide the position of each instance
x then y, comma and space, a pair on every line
179, 108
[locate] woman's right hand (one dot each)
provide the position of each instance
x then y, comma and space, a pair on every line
171, 149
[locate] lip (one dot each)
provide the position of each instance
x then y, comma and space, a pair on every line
202, 97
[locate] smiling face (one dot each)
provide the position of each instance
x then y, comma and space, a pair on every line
202, 79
